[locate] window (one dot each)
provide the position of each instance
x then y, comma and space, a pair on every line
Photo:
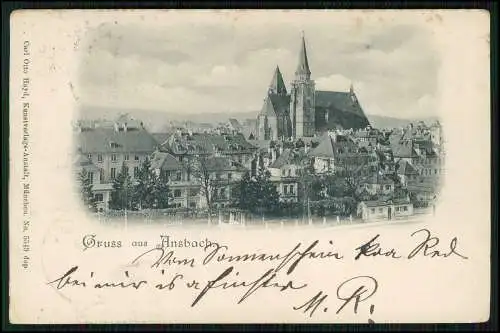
373, 210
405, 208
99, 158
229, 176
101, 175
136, 172
380, 210
126, 157
397, 208
177, 193
113, 173
387, 187
193, 192
178, 176
285, 189
435, 171
113, 158
218, 176
91, 177
136, 157
99, 197
222, 194
289, 172
291, 189
89, 156
192, 205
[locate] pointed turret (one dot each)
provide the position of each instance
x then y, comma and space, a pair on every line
303, 66
277, 85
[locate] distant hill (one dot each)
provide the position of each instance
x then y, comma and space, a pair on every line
390, 122
157, 120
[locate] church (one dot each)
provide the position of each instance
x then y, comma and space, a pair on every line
305, 111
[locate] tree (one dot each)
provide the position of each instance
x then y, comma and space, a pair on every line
86, 190
161, 192
122, 193
145, 186
258, 193
199, 166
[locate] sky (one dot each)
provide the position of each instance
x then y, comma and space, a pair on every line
207, 63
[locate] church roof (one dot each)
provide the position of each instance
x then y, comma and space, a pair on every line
277, 85
303, 66
281, 103
268, 108
342, 101
276, 105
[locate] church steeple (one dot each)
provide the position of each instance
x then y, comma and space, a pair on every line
277, 85
303, 70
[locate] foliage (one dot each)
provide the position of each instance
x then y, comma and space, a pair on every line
257, 194
150, 189
86, 190
122, 193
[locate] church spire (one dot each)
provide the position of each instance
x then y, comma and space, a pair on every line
277, 85
303, 66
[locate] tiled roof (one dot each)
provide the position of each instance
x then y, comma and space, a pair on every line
286, 157
223, 164
403, 150
208, 143
261, 144
107, 140
164, 161
377, 178
329, 148
406, 168
423, 187
161, 137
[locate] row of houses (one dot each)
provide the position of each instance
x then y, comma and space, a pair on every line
103, 149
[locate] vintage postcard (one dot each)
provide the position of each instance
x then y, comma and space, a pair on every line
239, 166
